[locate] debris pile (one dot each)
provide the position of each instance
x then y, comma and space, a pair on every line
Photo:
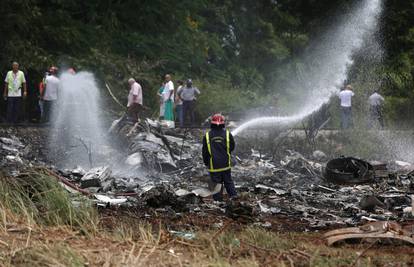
162, 169
349, 171
12, 153
295, 186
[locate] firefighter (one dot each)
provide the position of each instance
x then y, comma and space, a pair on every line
217, 147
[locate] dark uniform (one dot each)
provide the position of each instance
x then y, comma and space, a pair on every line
217, 147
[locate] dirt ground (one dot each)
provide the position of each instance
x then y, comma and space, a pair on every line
143, 238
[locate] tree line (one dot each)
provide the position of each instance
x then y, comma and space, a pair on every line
240, 48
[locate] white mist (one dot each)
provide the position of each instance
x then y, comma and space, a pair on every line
77, 133
328, 63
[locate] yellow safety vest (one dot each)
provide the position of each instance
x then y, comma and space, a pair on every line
10, 81
212, 169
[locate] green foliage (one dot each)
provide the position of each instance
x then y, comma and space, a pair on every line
399, 111
244, 49
222, 97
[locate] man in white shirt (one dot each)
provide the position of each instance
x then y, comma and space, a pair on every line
375, 109
50, 94
134, 100
13, 85
168, 89
346, 106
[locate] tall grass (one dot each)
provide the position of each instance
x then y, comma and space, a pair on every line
37, 198
46, 255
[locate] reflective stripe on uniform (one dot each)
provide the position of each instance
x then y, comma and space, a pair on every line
228, 146
211, 155
209, 149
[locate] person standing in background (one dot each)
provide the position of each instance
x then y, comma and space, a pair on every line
168, 97
42, 86
375, 109
134, 100
346, 106
188, 96
162, 106
179, 102
14, 82
50, 94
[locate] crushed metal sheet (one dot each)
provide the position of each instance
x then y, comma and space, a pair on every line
349, 170
109, 200
372, 231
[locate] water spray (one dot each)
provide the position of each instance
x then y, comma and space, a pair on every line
77, 121
328, 62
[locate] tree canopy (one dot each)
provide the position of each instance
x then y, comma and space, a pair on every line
226, 45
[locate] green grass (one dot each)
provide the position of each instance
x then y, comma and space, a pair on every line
37, 198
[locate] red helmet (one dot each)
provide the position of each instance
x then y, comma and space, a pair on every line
217, 119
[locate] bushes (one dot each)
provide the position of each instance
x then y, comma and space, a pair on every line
221, 96
398, 110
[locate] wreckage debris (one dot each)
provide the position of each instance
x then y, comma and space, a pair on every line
382, 231
163, 195
162, 169
183, 235
297, 162
240, 210
370, 203
95, 177
293, 186
319, 155
109, 201
349, 170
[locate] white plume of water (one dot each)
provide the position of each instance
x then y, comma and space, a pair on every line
328, 64
78, 133
397, 145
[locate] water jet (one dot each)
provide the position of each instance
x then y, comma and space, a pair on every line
328, 64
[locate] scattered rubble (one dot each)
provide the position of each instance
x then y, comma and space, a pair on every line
349, 171
319, 155
96, 177
163, 195
370, 203
162, 169
108, 201
184, 235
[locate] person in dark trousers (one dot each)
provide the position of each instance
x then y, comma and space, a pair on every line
14, 83
50, 94
217, 147
375, 110
179, 103
346, 107
188, 95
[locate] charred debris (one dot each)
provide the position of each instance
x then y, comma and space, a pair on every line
162, 169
